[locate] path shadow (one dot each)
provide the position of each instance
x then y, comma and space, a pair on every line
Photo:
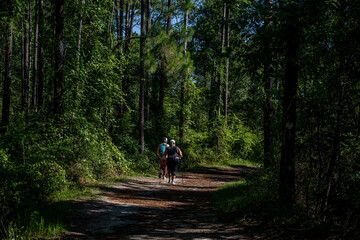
153, 209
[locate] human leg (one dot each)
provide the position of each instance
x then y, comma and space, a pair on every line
170, 169
175, 167
165, 169
160, 167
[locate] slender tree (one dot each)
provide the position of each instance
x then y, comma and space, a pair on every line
78, 54
26, 58
120, 29
147, 86
40, 84
120, 23
163, 63
213, 90
183, 81
227, 60
268, 85
83, 2
287, 162
8, 64
340, 86
110, 24
127, 24
142, 76
36, 55
132, 16
59, 57
168, 17
220, 73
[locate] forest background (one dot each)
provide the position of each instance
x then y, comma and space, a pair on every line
88, 88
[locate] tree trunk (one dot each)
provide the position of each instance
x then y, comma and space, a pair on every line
36, 63
334, 154
8, 62
220, 78
26, 60
219, 93
213, 95
110, 25
182, 93
163, 83
79, 45
268, 80
29, 59
148, 35
59, 57
163, 66
120, 24
155, 92
131, 23
148, 18
168, 18
287, 162
147, 97
79, 35
142, 77
120, 29
227, 62
127, 24
23, 24
40, 85
339, 115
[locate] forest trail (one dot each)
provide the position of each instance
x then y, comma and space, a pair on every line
150, 208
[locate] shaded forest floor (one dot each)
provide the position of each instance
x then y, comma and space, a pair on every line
150, 208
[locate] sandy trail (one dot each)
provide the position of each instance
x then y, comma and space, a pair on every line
150, 208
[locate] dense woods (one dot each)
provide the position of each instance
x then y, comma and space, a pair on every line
89, 88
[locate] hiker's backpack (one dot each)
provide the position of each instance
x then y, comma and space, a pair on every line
162, 149
172, 153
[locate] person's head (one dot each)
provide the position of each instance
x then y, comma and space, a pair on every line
165, 140
172, 142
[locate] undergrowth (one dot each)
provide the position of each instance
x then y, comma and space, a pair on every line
45, 221
256, 198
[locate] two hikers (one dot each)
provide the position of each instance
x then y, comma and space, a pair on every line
160, 153
173, 154
169, 159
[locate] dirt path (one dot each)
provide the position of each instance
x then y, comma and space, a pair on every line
150, 208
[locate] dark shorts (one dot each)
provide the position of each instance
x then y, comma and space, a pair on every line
172, 166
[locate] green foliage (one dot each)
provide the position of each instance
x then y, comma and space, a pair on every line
238, 140
230, 141
255, 196
146, 163
44, 157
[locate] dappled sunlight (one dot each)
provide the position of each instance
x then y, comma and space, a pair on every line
150, 208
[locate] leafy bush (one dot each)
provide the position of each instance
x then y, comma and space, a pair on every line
40, 158
230, 141
254, 196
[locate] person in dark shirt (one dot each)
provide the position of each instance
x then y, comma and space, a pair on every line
174, 155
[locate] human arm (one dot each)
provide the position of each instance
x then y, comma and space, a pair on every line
157, 150
179, 152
